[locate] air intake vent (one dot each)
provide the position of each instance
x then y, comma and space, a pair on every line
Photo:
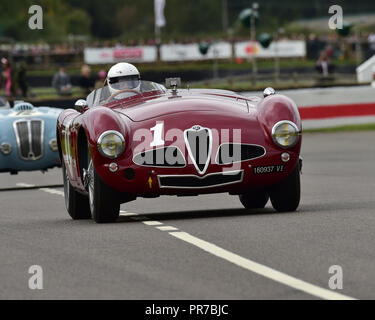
23, 107
229, 153
168, 157
196, 182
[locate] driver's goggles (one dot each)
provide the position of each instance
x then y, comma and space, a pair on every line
120, 83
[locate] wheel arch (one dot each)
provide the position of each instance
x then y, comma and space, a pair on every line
276, 108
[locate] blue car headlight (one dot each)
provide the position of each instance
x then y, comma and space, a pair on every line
53, 145
6, 148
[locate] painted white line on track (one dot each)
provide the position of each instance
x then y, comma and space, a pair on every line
152, 223
128, 214
25, 185
167, 228
242, 262
53, 191
47, 190
261, 269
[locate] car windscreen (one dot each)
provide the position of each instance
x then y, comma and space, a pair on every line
122, 90
4, 103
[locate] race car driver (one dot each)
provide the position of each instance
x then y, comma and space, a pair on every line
123, 76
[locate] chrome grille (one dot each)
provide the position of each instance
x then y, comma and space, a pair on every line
199, 144
36, 138
22, 134
29, 135
196, 182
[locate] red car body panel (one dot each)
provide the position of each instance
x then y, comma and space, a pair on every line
216, 110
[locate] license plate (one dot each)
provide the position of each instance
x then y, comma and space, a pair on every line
269, 169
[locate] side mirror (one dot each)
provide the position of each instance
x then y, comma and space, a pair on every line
81, 105
269, 92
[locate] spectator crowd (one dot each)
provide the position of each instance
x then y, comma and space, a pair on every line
18, 58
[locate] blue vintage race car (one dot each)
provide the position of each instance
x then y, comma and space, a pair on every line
27, 137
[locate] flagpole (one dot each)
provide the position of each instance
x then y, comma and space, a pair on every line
157, 35
224, 18
159, 22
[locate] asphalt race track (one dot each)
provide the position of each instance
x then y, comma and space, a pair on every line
204, 247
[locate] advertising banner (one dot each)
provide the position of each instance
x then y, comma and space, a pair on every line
113, 55
282, 49
190, 52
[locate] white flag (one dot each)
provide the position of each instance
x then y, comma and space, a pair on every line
159, 13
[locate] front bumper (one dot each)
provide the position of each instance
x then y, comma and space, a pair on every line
236, 178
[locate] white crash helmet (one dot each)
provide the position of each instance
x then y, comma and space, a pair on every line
123, 76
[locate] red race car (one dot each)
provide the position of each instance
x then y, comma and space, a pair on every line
150, 141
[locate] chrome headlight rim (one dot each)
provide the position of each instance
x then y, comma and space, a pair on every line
100, 141
4, 146
296, 133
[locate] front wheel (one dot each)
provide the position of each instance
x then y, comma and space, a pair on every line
285, 197
77, 204
254, 199
104, 204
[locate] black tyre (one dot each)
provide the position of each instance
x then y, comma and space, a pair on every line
285, 197
77, 204
103, 201
254, 199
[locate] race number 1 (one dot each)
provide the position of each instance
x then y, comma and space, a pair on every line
158, 135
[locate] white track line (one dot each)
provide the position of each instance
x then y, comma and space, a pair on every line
260, 269
167, 228
25, 185
152, 223
245, 263
127, 214
53, 191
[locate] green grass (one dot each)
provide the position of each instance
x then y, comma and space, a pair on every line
347, 128
195, 66
282, 84
47, 93
239, 85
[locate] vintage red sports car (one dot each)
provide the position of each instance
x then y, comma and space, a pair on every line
152, 141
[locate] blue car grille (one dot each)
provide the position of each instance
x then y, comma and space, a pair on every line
29, 136
36, 138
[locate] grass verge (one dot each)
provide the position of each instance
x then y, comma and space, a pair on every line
348, 128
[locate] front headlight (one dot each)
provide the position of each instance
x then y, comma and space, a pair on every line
6, 148
285, 134
111, 144
53, 145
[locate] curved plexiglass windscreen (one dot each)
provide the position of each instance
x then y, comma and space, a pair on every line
4, 103
122, 90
